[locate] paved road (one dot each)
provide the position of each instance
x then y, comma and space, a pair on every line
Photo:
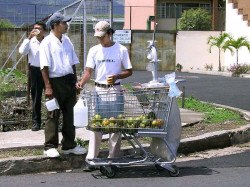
231, 91
225, 171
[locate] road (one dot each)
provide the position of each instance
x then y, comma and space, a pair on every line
228, 170
231, 91
224, 170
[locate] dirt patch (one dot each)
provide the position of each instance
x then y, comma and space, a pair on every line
200, 128
189, 131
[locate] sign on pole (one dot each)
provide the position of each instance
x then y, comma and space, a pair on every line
122, 36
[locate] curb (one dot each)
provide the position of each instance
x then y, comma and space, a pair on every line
37, 164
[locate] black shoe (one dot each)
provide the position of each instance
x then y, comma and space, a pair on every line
89, 168
36, 127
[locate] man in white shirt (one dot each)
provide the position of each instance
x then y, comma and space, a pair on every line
58, 60
30, 46
107, 59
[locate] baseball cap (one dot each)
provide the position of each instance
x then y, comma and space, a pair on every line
57, 17
101, 28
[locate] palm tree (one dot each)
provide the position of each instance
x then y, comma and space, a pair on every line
218, 42
236, 44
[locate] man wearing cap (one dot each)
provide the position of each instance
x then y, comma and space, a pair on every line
107, 59
30, 46
58, 59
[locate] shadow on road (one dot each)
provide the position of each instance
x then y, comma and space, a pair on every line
188, 168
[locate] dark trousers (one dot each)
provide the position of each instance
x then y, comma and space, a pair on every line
65, 92
37, 86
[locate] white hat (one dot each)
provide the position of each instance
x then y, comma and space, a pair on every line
101, 28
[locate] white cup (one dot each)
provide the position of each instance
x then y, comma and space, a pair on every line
52, 104
37, 31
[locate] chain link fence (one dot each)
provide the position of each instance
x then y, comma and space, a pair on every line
15, 114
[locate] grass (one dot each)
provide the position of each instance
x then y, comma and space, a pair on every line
15, 81
212, 113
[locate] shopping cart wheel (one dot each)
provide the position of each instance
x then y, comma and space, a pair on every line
103, 170
110, 172
175, 173
159, 167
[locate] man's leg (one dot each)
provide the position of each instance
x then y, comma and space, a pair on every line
68, 128
51, 130
95, 140
37, 86
114, 144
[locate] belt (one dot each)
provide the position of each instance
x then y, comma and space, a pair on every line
105, 85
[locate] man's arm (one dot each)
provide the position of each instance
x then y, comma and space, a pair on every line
122, 75
85, 78
48, 88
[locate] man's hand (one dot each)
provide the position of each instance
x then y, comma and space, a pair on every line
32, 33
49, 93
79, 86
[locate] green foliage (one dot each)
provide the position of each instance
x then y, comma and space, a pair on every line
238, 69
219, 43
209, 67
15, 80
179, 66
80, 142
5, 23
236, 44
195, 19
212, 114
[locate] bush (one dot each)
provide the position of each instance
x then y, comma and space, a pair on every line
195, 19
238, 69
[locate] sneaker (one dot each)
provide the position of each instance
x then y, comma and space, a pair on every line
36, 127
52, 153
77, 151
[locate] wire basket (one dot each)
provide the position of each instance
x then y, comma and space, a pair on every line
128, 110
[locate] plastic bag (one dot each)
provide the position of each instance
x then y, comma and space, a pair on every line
173, 89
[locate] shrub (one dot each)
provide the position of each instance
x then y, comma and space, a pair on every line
238, 69
195, 19
209, 67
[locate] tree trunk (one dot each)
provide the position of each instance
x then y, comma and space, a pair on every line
219, 61
237, 55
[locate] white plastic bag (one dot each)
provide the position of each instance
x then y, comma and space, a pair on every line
81, 113
173, 89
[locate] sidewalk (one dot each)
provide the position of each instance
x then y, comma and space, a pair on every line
28, 138
37, 164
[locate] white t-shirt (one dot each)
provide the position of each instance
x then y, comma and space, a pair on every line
31, 47
58, 56
108, 61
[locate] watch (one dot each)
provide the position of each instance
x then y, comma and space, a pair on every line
118, 76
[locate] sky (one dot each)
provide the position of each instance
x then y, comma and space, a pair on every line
26, 12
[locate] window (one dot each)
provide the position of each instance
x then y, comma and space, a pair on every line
172, 10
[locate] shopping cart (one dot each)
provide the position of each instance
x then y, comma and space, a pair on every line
137, 112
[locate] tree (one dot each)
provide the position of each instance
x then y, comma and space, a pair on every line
5, 23
236, 44
218, 42
195, 19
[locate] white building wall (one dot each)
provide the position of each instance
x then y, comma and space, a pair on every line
192, 50
238, 28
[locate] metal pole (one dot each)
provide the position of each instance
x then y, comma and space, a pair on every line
130, 18
111, 15
84, 35
35, 13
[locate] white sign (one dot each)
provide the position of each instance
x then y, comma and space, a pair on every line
122, 36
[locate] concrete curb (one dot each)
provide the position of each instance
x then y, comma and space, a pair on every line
214, 140
36, 164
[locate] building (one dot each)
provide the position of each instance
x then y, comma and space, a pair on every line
140, 13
